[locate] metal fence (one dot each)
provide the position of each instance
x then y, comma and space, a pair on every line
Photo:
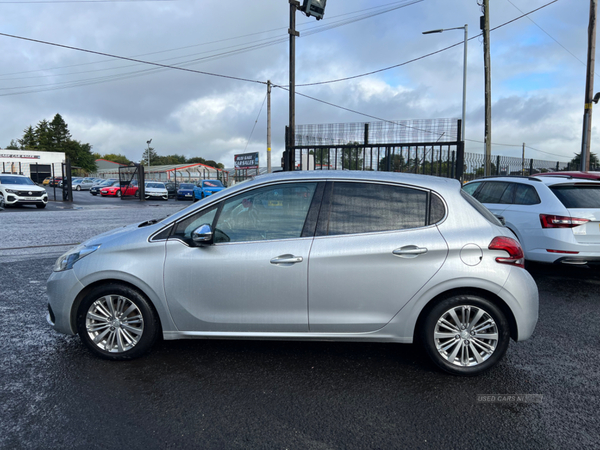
430, 147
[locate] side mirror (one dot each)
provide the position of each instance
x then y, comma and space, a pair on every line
203, 235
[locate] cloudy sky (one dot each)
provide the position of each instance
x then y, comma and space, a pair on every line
116, 105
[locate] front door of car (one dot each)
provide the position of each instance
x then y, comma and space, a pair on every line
253, 278
372, 256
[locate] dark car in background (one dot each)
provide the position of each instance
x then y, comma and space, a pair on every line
171, 189
185, 191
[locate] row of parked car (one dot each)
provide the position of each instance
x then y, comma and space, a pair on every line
158, 190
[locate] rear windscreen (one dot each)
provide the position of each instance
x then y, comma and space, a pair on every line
578, 195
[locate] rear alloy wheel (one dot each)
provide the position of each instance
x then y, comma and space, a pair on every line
115, 322
465, 335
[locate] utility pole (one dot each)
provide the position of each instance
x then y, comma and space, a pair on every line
523, 161
485, 27
589, 90
269, 126
291, 151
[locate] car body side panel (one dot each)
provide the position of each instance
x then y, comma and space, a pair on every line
236, 286
357, 284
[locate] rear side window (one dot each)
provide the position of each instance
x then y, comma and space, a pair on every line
369, 207
491, 192
526, 195
578, 195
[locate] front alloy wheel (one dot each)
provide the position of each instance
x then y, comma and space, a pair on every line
116, 322
466, 335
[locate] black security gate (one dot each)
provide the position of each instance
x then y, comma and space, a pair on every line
430, 147
131, 182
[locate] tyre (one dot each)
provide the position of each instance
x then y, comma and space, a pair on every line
116, 322
118, 193
40, 205
465, 335
78, 188
137, 194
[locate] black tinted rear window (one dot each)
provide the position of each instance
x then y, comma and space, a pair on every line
578, 195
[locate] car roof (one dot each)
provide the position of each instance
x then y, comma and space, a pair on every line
547, 180
425, 181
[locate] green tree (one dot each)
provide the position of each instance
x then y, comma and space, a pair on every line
575, 163
397, 163
80, 155
352, 158
43, 136
59, 132
29, 139
118, 158
14, 145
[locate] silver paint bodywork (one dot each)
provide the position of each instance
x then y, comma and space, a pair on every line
359, 287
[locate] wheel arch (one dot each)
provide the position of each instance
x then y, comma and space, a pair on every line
86, 290
496, 300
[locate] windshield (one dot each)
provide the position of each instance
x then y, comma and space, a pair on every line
155, 185
212, 183
186, 186
16, 180
578, 195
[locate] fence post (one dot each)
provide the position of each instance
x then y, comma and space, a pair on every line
498, 165
531, 167
460, 160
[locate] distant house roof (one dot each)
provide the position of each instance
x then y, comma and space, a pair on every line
106, 164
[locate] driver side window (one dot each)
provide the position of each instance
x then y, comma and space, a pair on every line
274, 212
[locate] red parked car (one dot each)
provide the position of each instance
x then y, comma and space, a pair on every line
117, 190
574, 174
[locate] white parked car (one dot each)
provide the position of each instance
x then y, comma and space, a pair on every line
155, 190
556, 218
21, 190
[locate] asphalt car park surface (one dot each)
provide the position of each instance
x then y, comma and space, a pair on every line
256, 394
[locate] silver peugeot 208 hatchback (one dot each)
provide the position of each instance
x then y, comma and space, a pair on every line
313, 255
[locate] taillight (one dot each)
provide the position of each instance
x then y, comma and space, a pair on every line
512, 247
550, 221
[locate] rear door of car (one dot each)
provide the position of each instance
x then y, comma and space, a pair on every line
372, 252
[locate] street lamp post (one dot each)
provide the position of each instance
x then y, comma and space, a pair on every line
148, 142
464, 100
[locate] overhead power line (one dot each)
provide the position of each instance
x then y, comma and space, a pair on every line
424, 56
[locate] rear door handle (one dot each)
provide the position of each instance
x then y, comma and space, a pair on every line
287, 259
409, 251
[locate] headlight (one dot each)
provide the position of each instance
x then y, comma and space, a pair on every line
11, 191
66, 261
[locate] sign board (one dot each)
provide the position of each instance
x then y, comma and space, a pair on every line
246, 161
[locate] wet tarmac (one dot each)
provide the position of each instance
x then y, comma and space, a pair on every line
241, 394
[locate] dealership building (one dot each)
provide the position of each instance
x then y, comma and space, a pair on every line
33, 164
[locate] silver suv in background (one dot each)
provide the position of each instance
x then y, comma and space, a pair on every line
21, 190
312, 255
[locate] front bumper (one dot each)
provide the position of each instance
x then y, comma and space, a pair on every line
23, 198
62, 289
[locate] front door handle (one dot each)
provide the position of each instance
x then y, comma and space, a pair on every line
287, 259
409, 251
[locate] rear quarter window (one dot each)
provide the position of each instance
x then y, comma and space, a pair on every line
578, 195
